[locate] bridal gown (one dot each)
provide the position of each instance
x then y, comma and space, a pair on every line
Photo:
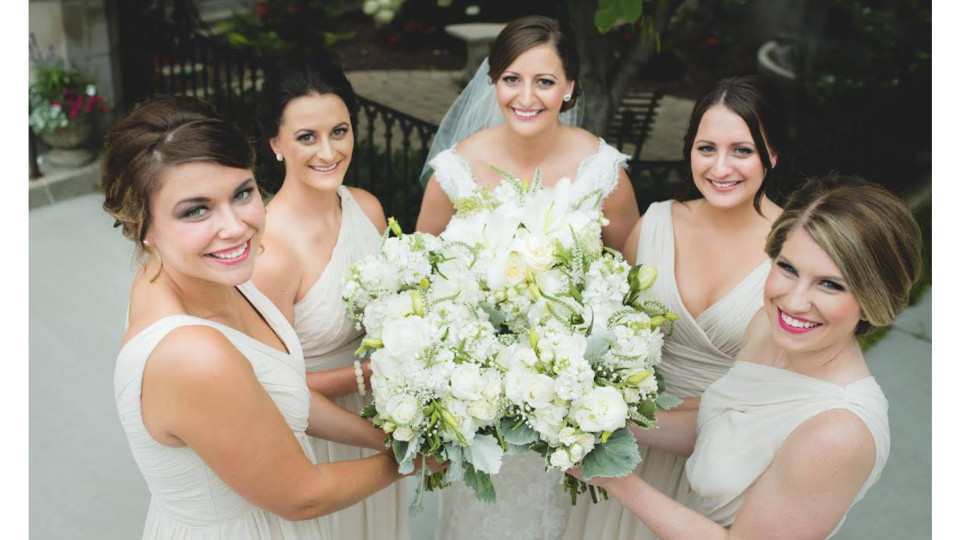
188, 501
699, 352
329, 338
746, 416
531, 502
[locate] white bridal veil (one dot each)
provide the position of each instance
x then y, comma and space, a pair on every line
476, 109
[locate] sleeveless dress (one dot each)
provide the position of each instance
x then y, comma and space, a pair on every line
531, 503
699, 352
188, 500
746, 416
329, 338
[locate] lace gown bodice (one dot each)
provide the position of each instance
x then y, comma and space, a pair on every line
531, 503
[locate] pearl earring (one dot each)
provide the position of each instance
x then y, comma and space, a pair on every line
567, 97
279, 157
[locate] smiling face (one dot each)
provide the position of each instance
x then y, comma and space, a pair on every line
316, 140
530, 91
724, 160
808, 303
207, 222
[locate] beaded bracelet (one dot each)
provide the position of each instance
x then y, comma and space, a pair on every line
358, 371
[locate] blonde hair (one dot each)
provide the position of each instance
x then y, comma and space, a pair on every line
869, 234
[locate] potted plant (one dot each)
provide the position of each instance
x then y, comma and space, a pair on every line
63, 103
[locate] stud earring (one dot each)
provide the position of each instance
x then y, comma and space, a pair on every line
567, 97
279, 157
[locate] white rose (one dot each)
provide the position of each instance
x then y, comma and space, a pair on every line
514, 383
465, 382
386, 368
403, 433
405, 338
536, 249
482, 410
561, 460
603, 409
403, 409
492, 385
548, 421
539, 391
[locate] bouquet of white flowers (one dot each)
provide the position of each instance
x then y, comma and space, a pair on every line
437, 391
582, 334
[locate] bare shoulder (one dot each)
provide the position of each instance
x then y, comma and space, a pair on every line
278, 272
583, 141
371, 207
833, 445
756, 337
195, 356
479, 144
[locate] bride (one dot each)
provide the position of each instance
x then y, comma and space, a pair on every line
524, 90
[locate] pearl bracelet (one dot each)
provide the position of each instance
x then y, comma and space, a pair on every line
358, 371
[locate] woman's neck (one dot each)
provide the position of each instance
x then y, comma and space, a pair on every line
303, 200
202, 298
829, 363
530, 152
737, 219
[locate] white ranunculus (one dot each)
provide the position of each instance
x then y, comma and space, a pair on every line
576, 452
602, 409
539, 391
466, 382
561, 459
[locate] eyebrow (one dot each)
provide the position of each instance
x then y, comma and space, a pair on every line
195, 200
748, 143
819, 278
536, 75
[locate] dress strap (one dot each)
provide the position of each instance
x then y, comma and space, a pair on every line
599, 173
453, 174
656, 232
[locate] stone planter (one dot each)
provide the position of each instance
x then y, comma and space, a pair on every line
69, 146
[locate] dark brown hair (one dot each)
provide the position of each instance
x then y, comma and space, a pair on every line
157, 135
525, 33
869, 234
753, 100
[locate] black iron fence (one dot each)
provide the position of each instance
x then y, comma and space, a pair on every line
167, 49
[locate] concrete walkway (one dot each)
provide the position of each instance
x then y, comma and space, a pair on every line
84, 483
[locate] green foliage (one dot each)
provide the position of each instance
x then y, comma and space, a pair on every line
610, 12
481, 484
279, 27
519, 434
615, 458
60, 94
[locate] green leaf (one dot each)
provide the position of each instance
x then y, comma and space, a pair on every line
484, 453
597, 345
610, 12
520, 435
369, 411
618, 457
481, 484
667, 401
496, 316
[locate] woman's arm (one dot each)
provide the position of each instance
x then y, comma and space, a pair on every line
630, 250
620, 207
676, 430
435, 210
332, 422
338, 382
200, 392
802, 495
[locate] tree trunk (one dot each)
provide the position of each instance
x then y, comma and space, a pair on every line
606, 79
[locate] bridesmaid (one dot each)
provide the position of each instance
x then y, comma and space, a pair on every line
709, 253
317, 228
797, 431
209, 381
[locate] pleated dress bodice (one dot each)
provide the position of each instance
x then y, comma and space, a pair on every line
329, 338
188, 500
701, 349
747, 414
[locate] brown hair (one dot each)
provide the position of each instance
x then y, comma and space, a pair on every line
157, 135
869, 234
756, 102
525, 33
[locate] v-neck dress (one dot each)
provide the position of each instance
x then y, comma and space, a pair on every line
698, 352
329, 338
531, 503
188, 500
746, 416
